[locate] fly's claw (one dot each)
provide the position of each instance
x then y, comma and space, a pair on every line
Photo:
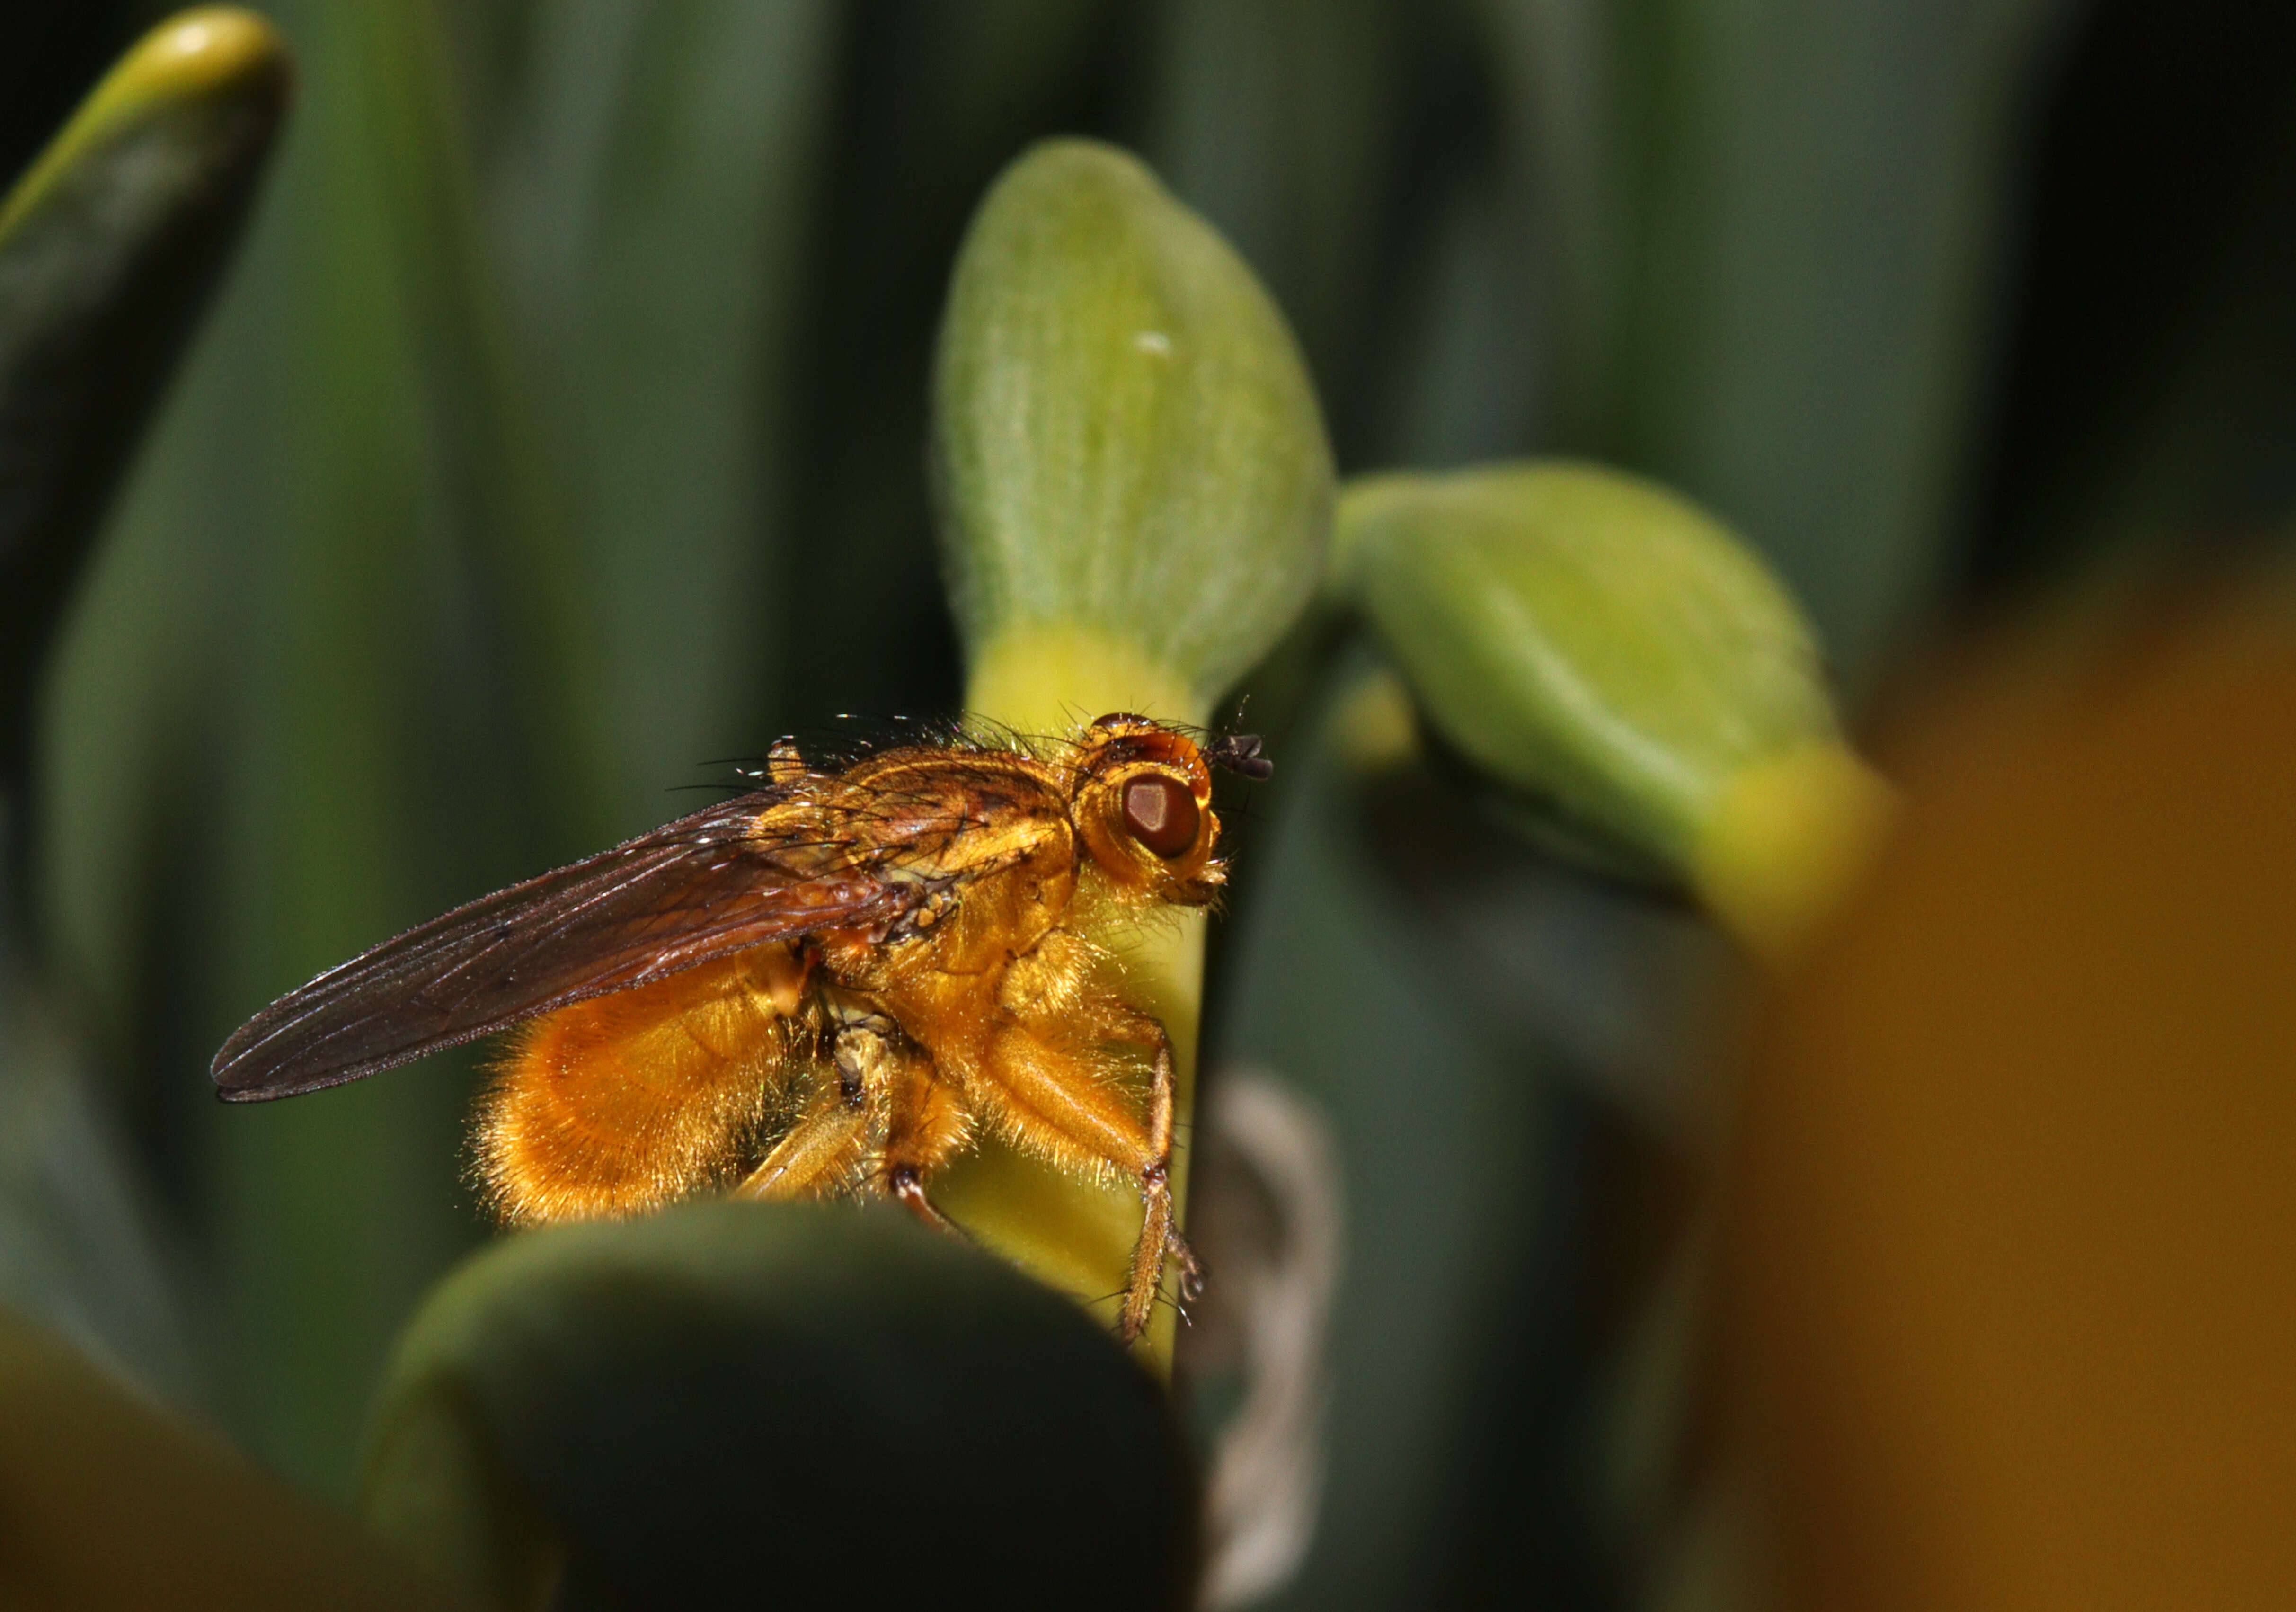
1192, 1271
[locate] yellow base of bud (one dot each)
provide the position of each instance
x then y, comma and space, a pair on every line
1786, 841
1072, 1234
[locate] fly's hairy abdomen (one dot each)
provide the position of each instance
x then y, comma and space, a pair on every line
628, 1102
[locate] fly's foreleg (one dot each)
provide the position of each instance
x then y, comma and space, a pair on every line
1143, 1031
1160, 1232
1060, 1100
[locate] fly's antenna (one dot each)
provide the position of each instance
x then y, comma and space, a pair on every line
1239, 752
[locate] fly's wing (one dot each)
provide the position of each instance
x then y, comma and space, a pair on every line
691, 891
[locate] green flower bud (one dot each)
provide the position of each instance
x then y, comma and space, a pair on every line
1135, 483
1605, 649
735, 1402
109, 245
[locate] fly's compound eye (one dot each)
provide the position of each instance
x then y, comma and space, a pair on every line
1162, 815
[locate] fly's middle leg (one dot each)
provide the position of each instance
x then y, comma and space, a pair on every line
879, 1121
926, 1125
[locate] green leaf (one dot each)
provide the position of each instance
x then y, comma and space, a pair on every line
292, 696
1613, 653
77, 1245
109, 247
1771, 245
736, 1401
639, 193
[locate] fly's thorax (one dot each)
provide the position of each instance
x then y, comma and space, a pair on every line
1006, 912
982, 843
1141, 797
951, 812
956, 929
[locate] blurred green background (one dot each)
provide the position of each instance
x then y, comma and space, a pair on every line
559, 430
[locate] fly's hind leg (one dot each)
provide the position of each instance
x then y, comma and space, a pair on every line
825, 1151
821, 1154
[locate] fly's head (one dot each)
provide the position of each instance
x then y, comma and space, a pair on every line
1142, 800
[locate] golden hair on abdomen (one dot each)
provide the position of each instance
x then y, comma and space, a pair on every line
626, 1102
